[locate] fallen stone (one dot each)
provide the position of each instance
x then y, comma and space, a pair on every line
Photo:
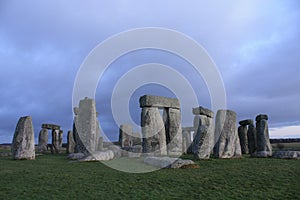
261, 116
116, 150
246, 122
167, 162
23, 140
287, 155
98, 156
158, 101
203, 111
75, 156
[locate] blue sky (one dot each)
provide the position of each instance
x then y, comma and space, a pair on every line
255, 45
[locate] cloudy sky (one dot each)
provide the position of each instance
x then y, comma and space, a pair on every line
254, 44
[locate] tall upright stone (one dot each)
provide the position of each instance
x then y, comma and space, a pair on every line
23, 141
264, 148
172, 119
204, 133
125, 132
252, 142
57, 136
242, 132
153, 131
43, 140
186, 139
86, 126
228, 144
70, 142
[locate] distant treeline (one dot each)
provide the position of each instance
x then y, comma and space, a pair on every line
287, 140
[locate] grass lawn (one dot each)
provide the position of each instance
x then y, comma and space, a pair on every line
54, 177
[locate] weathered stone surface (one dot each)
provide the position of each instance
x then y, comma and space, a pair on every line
203, 111
23, 140
132, 152
158, 101
70, 142
75, 156
252, 142
153, 131
228, 144
43, 141
172, 119
86, 125
287, 155
51, 126
242, 131
116, 150
98, 156
261, 116
56, 141
100, 144
167, 162
202, 143
127, 138
263, 141
246, 122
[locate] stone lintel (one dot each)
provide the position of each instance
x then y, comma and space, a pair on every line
246, 122
203, 111
261, 116
158, 101
51, 126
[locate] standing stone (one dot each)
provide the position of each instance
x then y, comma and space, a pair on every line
202, 143
153, 131
23, 140
172, 120
264, 148
242, 131
203, 117
228, 144
100, 144
56, 141
43, 141
70, 142
125, 133
86, 125
251, 133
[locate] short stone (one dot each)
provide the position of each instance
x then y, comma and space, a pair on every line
167, 162
287, 155
98, 156
203, 111
246, 122
261, 116
158, 101
75, 156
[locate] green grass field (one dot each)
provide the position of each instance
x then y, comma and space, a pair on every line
55, 177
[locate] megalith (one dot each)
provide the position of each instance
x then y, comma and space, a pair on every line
161, 133
23, 140
242, 132
43, 140
204, 133
186, 139
251, 134
70, 142
86, 126
57, 136
264, 148
228, 144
